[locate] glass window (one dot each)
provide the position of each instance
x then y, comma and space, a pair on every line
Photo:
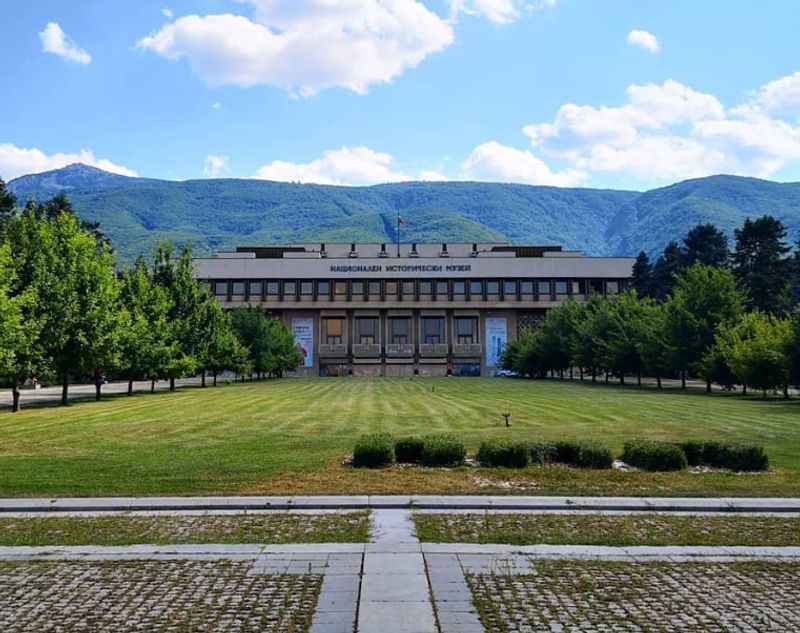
492, 287
367, 330
425, 287
272, 287
375, 288
612, 287
400, 331
596, 286
561, 287
408, 288
527, 287
323, 288
579, 287
357, 288
238, 288
459, 287
510, 288
466, 330
432, 330
544, 287
442, 288
306, 287
289, 288
255, 288
334, 329
340, 287
475, 288
221, 288
391, 288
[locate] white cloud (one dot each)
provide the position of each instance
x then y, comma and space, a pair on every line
18, 161
670, 131
216, 106
499, 163
431, 175
344, 166
645, 40
214, 166
307, 45
167, 12
497, 11
55, 41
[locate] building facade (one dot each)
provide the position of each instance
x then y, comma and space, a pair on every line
412, 309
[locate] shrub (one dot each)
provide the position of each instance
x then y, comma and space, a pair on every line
373, 451
504, 453
593, 455
583, 454
408, 450
654, 456
443, 450
542, 452
737, 457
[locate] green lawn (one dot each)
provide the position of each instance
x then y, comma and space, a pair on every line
290, 436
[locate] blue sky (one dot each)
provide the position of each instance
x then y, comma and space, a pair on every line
623, 93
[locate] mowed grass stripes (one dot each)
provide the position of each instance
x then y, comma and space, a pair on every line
290, 436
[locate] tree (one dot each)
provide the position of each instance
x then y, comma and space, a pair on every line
147, 347
654, 346
282, 352
216, 351
7, 201
81, 331
588, 334
186, 311
623, 336
714, 367
60, 203
793, 350
756, 349
643, 275
665, 269
705, 244
253, 331
704, 298
761, 266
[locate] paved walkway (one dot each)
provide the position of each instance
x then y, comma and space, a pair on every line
405, 502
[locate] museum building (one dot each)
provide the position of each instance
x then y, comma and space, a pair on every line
409, 309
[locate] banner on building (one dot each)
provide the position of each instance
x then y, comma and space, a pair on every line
496, 339
303, 330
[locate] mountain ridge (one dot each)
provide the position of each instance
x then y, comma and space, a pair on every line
136, 212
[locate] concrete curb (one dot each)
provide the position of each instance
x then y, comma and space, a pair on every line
403, 502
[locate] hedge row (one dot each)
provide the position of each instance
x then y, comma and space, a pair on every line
379, 449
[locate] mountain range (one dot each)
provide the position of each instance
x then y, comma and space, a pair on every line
136, 213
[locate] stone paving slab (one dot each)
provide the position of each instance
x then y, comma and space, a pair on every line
417, 502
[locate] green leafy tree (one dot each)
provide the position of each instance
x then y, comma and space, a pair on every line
761, 266
586, 348
756, 350
793, 350
282, 352
7, 201
703, 299
556, 337
215, 351
653, 342
665, 269
226, 353
714, 367
253, 330
706, 244
623, 329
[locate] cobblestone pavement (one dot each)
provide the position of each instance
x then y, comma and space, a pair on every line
178, 596
588, 596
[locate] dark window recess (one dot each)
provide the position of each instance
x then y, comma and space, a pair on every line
441, 288
289, 288
238, 289
544, 288
561, 287
408, 288
425, 288
509, 288
400, 330
432, 330
306, 287
475, 288
492, 287
323, 288
272, 288
221, 288
596, 286
391, 288
526, 287
367, 330
459, 287
256, 288
466, 330
358, 288
375, 288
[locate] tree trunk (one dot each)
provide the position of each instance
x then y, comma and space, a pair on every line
786, 391
708, 386
172, 384
658, 381
622, 378
97, 387
580, 371
65, 389
561, 374
203, 378
744, 390
594, 376
683, 379
215, 379
571, 374
15, 398
606, 377
130, 387
152, 386
639, 379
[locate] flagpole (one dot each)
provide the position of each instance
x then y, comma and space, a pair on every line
398, 233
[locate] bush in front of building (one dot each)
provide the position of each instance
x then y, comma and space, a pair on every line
504, 453
737, 457
654, 456
583, 454
408, 450
373, 451
443, 450
542, 452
